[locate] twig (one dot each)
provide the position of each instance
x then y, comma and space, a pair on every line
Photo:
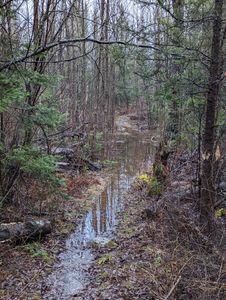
173, 288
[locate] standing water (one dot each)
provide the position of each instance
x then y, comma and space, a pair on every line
70, 276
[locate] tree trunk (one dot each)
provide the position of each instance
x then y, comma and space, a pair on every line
177, 69
209, 135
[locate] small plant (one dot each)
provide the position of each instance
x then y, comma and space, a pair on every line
111, 244
152, 183
157, 261
145, 178
155, 187
103, 275
67, 229
98, 147
109, 163
87, 147
98, 144
221, 212
158, 169
104, 259
37, 297
34, 163
126, 217
36, 250
99, 136
168, 270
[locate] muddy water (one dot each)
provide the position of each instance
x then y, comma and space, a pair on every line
131, 152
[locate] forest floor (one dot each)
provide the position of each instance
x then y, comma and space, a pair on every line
24, 267
159, 251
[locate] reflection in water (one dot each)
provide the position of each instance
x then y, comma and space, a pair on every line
131, 153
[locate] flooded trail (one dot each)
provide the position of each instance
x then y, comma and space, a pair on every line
70, 275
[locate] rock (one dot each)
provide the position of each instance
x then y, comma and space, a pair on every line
222, 185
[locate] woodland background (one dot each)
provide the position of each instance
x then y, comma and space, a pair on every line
66, 66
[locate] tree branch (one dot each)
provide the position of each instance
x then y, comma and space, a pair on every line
49, 46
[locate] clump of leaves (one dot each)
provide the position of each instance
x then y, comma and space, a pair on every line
37, 297
221, 212
158, 169
94, 245
126, 217
66, 229
48, 116
111, 244
12, 90
98, 147
35, 249
155, 187
145, 178
103, 275
152, 183
104, 259
157, 261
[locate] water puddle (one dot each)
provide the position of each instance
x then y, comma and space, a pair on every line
70, 276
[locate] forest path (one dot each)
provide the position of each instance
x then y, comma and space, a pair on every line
123, 123
132, 151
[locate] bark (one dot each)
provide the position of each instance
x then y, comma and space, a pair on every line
174, 113
36, 22
2, 132
51, 45
209, 135
23, 231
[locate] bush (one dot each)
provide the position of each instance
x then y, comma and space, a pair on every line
36, 164
153, 185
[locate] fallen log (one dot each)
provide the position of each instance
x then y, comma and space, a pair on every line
68, 152
73, 134
23, 231
92, 166
62, 166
